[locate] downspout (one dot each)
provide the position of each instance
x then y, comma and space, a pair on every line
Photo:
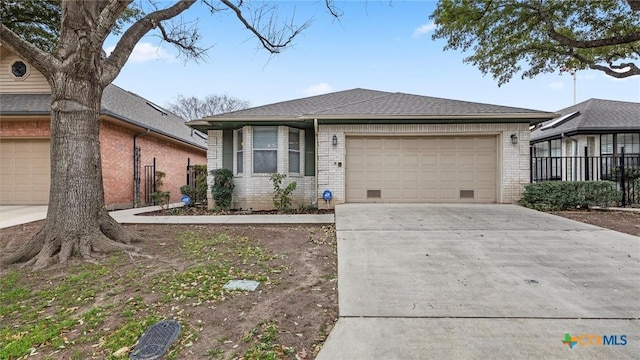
315, 131
136, 170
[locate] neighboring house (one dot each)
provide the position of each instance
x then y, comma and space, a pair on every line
134, 134
373, 146
585, 142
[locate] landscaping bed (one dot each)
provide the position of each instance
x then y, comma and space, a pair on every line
200, 210
627, 222
99, 310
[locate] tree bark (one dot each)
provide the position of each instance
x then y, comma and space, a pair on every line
77, 222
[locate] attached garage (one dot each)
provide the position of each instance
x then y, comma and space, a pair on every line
24, 171
421, 169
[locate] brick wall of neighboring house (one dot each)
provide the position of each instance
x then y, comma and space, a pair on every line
116, 150
27, 129
171, 159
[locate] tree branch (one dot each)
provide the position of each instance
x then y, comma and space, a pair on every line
107, 20
585, 44
114, 63
273, 41
42, 60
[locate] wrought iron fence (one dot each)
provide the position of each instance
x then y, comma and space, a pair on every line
149, 182
624, 169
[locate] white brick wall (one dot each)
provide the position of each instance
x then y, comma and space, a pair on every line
513, 160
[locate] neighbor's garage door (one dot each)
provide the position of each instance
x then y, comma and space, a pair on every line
24, 172
421, 169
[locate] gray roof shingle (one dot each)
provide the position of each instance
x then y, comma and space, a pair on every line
594, 115
363, 102
117, 103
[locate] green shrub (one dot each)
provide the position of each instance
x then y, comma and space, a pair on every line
197, 193
565, 195
160, 197
222, 190
282, 196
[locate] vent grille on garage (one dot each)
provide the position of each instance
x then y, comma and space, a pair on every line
466, 194
374, 194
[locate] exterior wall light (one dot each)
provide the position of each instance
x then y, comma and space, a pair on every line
514, 139
335, 140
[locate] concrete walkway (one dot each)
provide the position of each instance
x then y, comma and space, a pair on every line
16, 215
481, 282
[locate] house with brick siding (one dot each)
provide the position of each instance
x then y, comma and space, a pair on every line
135, 134
367, 146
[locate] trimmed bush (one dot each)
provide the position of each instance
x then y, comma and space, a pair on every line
222, 189
566, 195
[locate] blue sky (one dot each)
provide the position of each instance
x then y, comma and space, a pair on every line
379, 45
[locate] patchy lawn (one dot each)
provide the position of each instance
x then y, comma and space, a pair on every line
627, 222
99, 310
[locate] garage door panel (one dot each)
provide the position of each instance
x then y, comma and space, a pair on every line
421, 169
25, 171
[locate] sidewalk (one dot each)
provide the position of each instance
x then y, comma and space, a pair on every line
16, 215
129, 216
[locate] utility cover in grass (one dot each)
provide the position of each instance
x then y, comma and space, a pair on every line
156, 340
244, 285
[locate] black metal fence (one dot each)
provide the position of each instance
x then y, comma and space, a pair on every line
149, 182
621, 168
197, 179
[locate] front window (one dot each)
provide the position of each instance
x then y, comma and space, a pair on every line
239, 152
631, 143
265, 149
606, 144
294, 151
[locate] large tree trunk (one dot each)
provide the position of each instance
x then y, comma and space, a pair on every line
77, 222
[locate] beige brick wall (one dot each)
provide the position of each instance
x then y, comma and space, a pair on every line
513, 160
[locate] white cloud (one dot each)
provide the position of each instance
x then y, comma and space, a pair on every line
318, 89
423, 30
556, 85
144, 52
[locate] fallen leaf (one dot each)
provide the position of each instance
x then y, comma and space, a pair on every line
122, 351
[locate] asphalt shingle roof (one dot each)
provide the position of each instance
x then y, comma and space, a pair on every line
595, 114
363, 102
117, 103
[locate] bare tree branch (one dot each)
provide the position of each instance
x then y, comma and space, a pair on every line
130, 38
42, 60
271, 39
107, 20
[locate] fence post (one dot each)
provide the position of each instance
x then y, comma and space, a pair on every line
622, 178
586, 164
155, 189
531, 167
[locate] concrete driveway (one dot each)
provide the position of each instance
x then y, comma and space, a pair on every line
11, 215
481, 281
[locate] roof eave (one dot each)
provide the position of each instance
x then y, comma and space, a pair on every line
532, 118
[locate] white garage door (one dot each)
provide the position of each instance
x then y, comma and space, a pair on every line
421, 169
24, 172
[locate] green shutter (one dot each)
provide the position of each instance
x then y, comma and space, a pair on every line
309, 152
227, 149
